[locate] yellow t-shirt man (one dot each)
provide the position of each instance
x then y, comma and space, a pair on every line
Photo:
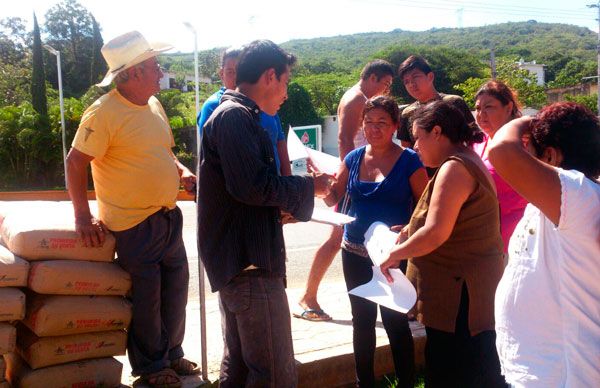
133, 168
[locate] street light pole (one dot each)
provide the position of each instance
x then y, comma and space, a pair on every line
62, 108
201, 285
196, 79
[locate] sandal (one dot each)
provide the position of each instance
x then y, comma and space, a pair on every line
166, 378
184, 367
314, 315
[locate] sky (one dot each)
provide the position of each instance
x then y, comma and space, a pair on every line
283, 20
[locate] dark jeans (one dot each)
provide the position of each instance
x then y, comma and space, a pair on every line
257, 333
358, 270
153, 253
459, 360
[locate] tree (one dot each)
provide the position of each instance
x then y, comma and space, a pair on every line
326, 90
38, 79
70, 30
98, 65
529, 93
590, 101
573, 72
298, 110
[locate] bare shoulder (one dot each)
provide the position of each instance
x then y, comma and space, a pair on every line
352, 99
454, 173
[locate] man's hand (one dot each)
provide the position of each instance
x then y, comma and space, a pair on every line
188, 181
323, 183
287, 218
91, 230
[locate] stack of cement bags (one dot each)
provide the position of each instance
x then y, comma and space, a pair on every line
76, 313
13, 274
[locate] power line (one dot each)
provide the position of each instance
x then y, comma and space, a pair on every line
484, 8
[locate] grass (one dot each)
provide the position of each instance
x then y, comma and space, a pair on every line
390, 381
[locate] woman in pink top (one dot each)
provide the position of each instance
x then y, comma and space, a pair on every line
496, 105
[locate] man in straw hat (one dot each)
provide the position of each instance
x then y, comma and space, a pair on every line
126, 137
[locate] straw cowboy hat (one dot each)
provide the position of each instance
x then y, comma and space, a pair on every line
128, 50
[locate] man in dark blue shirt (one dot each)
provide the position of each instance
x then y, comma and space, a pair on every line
240, 238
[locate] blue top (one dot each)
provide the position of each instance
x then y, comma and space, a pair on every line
272, 124
389, 201
208, 107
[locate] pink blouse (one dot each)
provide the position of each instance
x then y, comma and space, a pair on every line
512, 205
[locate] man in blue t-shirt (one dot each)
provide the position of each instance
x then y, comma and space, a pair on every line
271, 124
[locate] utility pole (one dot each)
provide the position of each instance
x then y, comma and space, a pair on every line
459, 17
597, 5
493, 61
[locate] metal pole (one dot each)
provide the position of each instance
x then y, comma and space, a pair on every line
62, 115
201, 282
598, 52
196, 79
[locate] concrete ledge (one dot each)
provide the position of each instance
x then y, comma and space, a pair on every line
338, 370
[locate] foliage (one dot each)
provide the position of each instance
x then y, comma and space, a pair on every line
26, 153
298, 109
529, 93
552, 44
38, 78
98, 65
590, 101
15, 68
326, 90
573, 72
69, 28
450, 66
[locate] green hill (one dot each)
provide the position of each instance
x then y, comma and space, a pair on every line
550, 43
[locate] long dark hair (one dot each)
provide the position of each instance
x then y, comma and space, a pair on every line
452, 122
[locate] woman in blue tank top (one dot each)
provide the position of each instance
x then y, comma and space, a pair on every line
384, 181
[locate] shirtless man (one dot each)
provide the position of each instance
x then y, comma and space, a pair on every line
375, 79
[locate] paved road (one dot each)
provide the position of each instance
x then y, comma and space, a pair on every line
302, 240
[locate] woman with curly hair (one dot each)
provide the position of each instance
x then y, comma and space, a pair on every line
546, 306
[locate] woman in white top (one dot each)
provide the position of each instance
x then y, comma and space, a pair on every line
547, 304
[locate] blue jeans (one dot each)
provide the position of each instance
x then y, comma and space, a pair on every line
257, 333
153, 254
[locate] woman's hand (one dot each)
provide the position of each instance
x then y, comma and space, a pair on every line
402, 231
391, 262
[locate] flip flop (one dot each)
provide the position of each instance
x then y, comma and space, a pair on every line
313, 315
184, 367
166, 378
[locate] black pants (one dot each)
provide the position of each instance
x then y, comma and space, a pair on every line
358, 270
153, 254
459, 360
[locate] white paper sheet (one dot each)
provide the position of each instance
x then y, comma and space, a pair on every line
323, 162
330, 217
399, 295
379, 241
296, 150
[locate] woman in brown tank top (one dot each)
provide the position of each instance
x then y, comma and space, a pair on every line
454, 248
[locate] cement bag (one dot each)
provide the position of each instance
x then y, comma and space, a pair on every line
12, 304
61, 277
48, 232
2, 368
49, 315
13, 269
46, 351
99, 372
8, 336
